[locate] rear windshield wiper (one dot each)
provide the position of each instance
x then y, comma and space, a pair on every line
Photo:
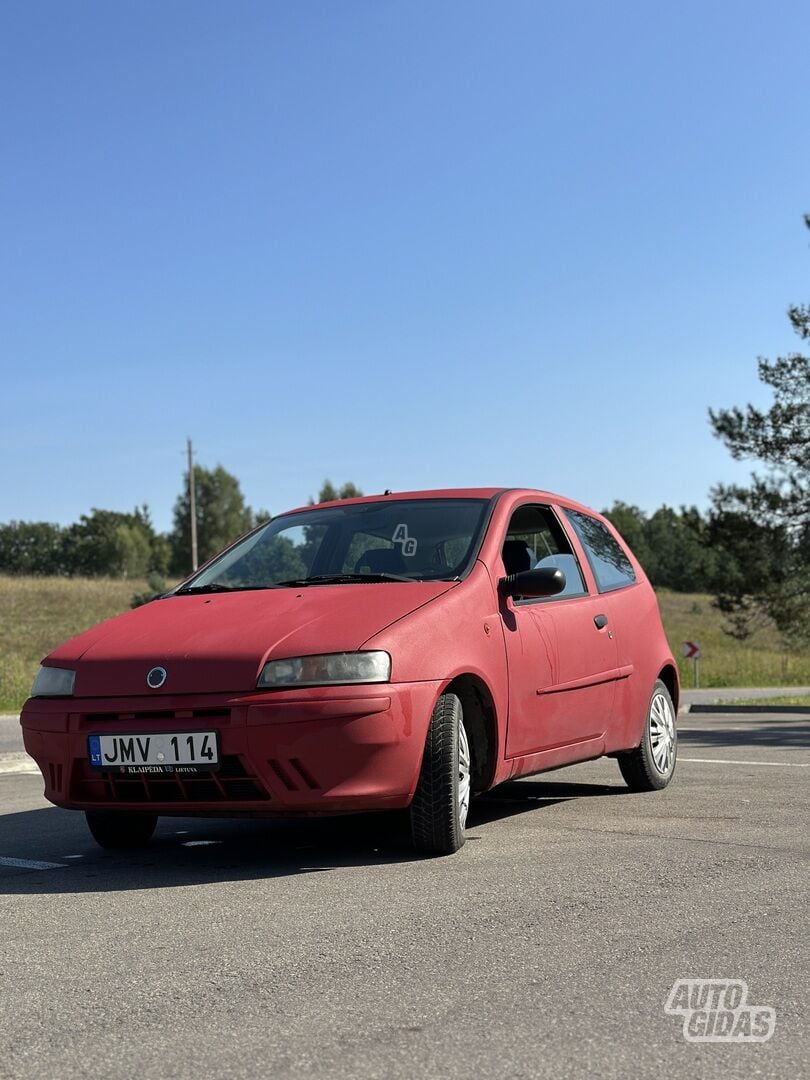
345, 579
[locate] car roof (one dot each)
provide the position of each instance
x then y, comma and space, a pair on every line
451, 493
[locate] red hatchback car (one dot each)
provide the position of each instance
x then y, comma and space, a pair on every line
399, 651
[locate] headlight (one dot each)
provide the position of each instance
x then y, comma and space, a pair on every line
53, 682
343, 667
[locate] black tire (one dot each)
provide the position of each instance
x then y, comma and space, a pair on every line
437, 819
117, 829
650, 766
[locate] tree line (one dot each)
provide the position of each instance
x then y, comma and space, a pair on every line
107, 543
670, 544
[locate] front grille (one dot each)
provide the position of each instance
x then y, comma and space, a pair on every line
232, 783
216, 717
294, 775
55, 772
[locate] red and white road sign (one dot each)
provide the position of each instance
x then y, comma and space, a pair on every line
691, 650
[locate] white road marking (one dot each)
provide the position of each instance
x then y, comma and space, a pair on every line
726, 761
32, 864
739, 729
199, 843
18, 762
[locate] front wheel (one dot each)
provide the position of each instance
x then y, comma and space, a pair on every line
438, 813
650, 766
116, 829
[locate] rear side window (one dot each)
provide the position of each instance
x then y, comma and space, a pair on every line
611, 567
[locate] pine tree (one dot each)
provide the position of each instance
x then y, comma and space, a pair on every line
762, 531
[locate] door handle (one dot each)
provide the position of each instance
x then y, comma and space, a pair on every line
600, 621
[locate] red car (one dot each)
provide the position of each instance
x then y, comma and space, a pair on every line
399, 651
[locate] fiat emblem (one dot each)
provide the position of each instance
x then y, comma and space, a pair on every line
156, 678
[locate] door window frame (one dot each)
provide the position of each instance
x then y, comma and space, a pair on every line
551, 510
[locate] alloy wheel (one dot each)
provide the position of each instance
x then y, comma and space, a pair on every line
463, 774
662, 733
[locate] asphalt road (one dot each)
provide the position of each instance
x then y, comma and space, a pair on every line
546, 948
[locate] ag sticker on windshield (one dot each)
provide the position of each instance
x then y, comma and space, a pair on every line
408, 542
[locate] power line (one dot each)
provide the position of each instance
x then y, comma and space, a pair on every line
192, 505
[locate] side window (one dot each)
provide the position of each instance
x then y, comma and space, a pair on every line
534, 540
611, 567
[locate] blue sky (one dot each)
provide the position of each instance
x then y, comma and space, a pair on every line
409, 245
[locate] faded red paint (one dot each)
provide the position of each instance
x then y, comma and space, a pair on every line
561, 690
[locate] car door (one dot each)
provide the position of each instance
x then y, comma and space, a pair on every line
561, 655
633, 616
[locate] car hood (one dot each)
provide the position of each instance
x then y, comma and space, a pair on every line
220, 642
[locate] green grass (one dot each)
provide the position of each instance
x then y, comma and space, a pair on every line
36, 614
760, 661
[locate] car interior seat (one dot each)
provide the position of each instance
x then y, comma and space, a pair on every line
381, 561
516, 557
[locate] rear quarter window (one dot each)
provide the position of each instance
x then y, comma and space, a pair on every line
611, 567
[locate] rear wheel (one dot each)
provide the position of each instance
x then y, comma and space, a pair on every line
650, 766
438, 813
116, 829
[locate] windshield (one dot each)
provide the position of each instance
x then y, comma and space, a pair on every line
395, 540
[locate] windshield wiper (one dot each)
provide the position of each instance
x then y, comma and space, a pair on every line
345, 579
216, 587
317, 579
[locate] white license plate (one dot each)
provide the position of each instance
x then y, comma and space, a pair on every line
171, 752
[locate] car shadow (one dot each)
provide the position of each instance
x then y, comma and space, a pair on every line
195, 851
522, 796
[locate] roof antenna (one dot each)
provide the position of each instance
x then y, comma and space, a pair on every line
388, 491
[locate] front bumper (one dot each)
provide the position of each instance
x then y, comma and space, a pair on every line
312, 751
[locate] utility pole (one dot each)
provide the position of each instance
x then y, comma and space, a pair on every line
192, 506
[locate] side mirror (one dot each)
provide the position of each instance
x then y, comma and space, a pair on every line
547, 581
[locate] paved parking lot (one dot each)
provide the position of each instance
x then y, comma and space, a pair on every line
546, 948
